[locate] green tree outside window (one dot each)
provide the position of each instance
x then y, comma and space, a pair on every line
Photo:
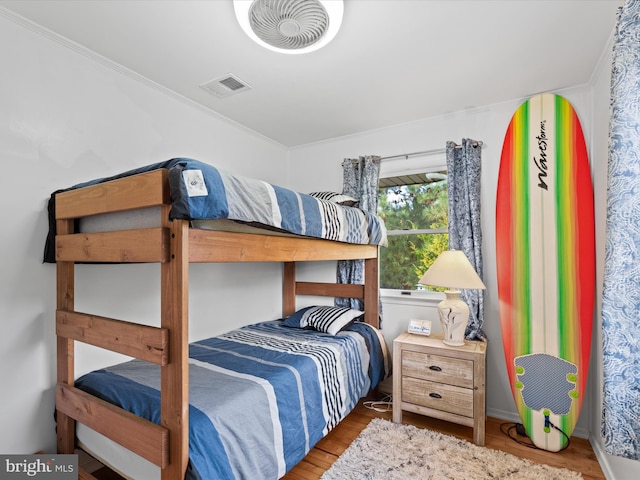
416, 217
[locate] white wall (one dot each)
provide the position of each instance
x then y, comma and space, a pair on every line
488, 124
65, 118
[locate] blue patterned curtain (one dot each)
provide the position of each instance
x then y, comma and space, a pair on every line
621, 289
463, 166
360, 181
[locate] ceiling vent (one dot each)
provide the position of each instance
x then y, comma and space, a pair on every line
225, 85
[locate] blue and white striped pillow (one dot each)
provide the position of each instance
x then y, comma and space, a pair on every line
339, 198
325, 319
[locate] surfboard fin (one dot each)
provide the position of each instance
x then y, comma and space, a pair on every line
547, 421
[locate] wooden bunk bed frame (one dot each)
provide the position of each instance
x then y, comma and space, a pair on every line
173, 245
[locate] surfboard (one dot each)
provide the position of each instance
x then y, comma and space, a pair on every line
545, 255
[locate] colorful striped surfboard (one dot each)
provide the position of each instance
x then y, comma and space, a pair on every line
545, 244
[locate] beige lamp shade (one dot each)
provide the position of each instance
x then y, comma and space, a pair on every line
452, 269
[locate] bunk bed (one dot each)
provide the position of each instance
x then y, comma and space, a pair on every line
193, 205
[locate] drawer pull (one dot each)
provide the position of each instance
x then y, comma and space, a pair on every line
435, 368
435, 395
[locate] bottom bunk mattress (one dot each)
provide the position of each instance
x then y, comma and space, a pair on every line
260, 396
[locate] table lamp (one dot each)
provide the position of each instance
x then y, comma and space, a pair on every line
452, 270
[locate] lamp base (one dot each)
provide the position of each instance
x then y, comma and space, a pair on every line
454, 316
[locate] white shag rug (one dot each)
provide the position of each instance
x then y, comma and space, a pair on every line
389, 451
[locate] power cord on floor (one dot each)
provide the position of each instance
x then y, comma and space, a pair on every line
385, 404
509, 429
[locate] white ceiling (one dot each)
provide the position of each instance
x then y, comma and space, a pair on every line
393, 61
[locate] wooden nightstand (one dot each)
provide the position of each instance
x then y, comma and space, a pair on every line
434, 379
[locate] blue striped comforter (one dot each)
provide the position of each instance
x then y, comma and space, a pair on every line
202, 192
256, 202
260, 396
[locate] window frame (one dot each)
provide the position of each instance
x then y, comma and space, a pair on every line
403, 166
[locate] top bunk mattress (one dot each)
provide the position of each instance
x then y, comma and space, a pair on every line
201, 192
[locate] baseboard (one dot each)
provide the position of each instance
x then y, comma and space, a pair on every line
386, 386
503, 415
602, 456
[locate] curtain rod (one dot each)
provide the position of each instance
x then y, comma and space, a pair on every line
424, 153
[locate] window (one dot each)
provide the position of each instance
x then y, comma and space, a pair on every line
415, 210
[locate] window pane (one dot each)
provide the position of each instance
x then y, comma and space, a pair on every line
406, 205
419, 206
407, 257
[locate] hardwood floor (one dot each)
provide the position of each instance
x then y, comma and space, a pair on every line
578, 456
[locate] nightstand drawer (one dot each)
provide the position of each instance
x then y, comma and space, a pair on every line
453, 371
440, 396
